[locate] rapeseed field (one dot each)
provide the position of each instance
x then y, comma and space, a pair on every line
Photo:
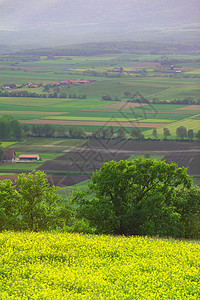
77, 266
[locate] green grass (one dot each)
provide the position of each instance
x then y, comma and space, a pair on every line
89, 119
7, 144
196, 117
46, 146
28, 166
28, 101
1, 174
189, 123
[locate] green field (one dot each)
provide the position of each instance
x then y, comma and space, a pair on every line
99, 68
99, 110
188, 123
27, 166
150, 85
77, 266
47, 148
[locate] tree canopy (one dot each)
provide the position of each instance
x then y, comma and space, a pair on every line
10, 129
31, 204
144, 197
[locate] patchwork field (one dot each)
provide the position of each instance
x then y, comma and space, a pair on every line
89, 157
91, 114
68, 162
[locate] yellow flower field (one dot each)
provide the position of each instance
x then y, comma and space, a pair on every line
77, 266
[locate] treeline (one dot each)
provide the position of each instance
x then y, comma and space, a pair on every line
49, 94
52, 131
144, 197
181, 133
137, 97
10, 129
67, 52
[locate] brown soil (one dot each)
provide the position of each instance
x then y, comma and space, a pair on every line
90, 157
12, 177
182, 68
93, 123
190, 107
124, 105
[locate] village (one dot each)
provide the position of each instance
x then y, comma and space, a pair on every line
68, 82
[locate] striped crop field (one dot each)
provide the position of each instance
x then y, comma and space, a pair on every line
79, 267
102, 119
155, 121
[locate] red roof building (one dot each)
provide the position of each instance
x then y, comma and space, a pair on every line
29, 157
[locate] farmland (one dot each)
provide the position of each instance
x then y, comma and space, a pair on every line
68, 162
129, 82
152, 79
77, 266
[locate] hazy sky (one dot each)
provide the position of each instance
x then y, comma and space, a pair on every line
28, 14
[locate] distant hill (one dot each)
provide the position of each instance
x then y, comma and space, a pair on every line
89, 49
57, 22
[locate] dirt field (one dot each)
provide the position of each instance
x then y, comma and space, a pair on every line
93, 123
91, 155
124, 105
12, 177
190, 107
85, 159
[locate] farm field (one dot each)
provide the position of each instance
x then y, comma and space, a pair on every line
106, 81
91, 114
70, 161
77, 266
151, 84
89, 157
47, 148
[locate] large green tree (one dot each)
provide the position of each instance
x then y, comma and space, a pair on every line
144, 197
39, 206
8, 206
10, 129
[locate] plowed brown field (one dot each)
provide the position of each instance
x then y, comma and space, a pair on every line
90, 157
190, 107
124, 105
